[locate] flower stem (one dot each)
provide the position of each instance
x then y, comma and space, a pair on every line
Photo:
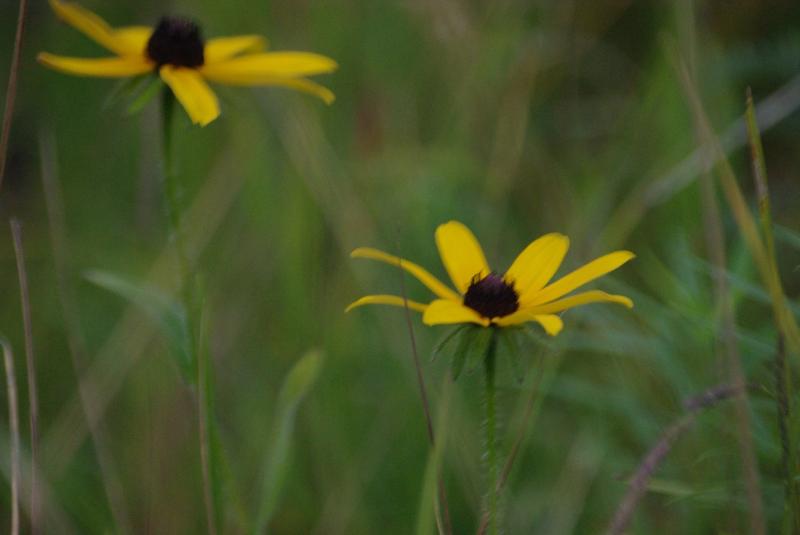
491, 436
189, 296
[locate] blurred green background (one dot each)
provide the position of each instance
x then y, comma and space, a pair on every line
516, 118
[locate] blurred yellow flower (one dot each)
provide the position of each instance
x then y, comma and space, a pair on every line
175, 49
485, 297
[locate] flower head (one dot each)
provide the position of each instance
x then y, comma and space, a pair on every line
176, 51
484, 297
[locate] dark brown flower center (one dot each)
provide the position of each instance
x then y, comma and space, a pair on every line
176, 41
491, 296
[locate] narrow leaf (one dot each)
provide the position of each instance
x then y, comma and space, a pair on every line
165, 312
276, 463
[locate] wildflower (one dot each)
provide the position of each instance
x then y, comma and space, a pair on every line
176, 51
487, 298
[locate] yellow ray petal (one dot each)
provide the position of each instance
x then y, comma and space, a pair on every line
593, 296
420, 273
91, 25
537, 263
391, 300
444, 311
306, 86
594, 269
222, 48
551, 323
133, 38
192, 92
101, 67
461, 254
250, 69
299, 84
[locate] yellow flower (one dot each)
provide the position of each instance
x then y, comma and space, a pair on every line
524, 293
175, 49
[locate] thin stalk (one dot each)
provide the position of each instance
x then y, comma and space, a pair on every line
492, 466
172, 198
783, 405
11, 89
783, 375
13, 422
533, 406
442, 509
33, 399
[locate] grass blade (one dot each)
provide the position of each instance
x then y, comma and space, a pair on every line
296, 385
167, 313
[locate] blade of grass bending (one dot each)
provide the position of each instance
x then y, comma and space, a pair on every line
11, 89
296, 385
165, 312
783, 372
785, 319
743, 217
715, 240
30, 365
13, 421
426, 512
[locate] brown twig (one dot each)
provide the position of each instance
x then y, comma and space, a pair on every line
33, 398
11, 90
653, 459
13, 420
443, 515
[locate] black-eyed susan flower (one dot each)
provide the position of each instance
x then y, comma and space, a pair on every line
176, 51
484, 297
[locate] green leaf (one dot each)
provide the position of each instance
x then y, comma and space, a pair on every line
460, 356
144, 96
447, 340
509, 342
276, 463
127, 87
165, 312
478, 346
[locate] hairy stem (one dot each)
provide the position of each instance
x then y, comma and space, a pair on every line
491, 436
172, 198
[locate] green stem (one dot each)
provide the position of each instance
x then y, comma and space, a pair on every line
189, 296
491, 436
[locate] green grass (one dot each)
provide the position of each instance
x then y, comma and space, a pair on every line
515, 118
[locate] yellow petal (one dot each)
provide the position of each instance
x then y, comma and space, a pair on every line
551, 323
537, 263
579, 277
445, 311
192, 92
306, 86
269, 65
593, 296
392, 300
222, 48
420, 273
461, 254
133, 38
101, 67
92, 26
